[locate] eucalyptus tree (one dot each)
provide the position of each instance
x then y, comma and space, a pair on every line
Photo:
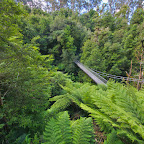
116, 5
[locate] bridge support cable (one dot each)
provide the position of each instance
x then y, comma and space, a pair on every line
97, 75
93, 75
100, 75
118, 77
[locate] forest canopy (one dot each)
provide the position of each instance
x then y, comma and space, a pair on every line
45, 97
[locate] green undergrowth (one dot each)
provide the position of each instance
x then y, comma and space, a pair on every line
113, 107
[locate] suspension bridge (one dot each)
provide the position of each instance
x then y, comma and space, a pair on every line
97, 76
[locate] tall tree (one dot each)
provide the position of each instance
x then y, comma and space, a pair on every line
24, 78
116, 5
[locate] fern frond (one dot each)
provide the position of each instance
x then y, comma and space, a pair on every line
60, 105
64, 125
60, 131
83, 132
52, 132
103, 120
55, 98
122, 108
130, 135
113, 139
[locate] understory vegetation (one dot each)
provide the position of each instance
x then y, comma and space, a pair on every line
45, 98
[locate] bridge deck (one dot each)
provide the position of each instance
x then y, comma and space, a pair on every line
93, 75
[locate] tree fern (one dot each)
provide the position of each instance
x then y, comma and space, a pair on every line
117, 106
121, 104
102, 119
65, 100
124, 107
75, 92
60, 131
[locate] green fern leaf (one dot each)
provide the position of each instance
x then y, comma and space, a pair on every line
113, 139
52, 134
64, 125
59, 105
83, 131
60, 131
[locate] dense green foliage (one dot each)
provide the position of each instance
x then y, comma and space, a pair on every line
25, 80
112, 138
102, 41
61, 130
37, 70
114, 43
113, 107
